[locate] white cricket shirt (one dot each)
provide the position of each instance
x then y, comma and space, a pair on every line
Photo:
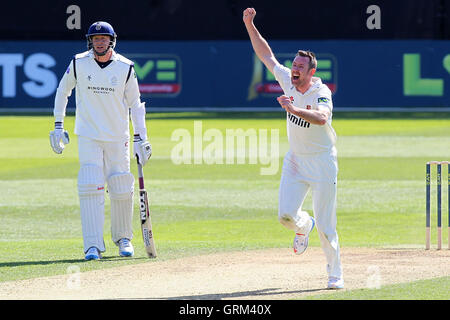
304, 137
103, 96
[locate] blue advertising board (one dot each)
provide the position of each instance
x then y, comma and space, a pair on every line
226, 74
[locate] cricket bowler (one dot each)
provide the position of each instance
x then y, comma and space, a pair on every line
107, 93
311, 162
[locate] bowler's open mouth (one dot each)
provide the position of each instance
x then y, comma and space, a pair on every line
295, 77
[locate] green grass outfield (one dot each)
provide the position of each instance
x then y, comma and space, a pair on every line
204, 208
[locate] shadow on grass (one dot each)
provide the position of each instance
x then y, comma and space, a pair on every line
241, 294
64, 261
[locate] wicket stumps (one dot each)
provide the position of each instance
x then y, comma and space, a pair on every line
439, 202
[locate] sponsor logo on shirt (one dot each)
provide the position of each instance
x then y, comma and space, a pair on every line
323, 100
298, 121
100, 90
113, 81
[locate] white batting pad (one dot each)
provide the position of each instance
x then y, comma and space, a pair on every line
91, 192
121, 189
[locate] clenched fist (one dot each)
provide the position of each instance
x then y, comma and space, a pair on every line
285, 103
248, 15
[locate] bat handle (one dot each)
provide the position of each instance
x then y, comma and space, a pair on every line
140, 174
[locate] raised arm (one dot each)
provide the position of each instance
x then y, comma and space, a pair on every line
260, 45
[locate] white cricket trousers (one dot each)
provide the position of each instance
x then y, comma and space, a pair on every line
317, 172
104, 162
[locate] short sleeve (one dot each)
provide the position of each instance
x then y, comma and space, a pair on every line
324, 98
283, 76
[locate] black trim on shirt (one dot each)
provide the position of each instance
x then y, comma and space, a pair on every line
103, 64
129, 73
74, 68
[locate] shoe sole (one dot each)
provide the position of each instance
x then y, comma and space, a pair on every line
335, 287
307, 238
126, 254
312, 227
91, 257
306, 247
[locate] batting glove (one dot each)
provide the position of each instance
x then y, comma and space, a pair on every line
142, 149
59, 138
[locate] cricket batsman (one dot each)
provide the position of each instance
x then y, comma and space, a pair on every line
311, 162
107, 93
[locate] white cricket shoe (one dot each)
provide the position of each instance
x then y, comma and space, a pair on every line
125, 248
301, 240
92, 254
335, 283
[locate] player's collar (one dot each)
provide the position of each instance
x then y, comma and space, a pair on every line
317, 82
114, 55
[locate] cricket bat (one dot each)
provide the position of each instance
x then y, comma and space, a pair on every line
146, 222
